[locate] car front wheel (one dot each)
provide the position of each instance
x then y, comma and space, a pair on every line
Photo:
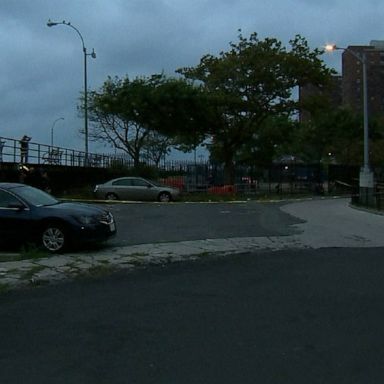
111, 196
54, 238
165, 197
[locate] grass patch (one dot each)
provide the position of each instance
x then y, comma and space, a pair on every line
97, 271
31, 251
139, 254
104, 262
10, 257
4, 288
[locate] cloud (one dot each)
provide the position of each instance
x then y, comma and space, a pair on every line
42, 68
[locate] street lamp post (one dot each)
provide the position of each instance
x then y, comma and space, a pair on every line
53, 126
93, 55
366, 179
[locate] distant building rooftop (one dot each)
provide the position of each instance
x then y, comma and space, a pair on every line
378, 44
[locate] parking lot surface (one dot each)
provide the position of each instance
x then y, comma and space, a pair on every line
304, 225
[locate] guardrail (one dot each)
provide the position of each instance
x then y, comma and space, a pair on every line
35, 153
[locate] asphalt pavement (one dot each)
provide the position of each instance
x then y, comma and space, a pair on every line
320, 223
146, 223
292, 316
305, 307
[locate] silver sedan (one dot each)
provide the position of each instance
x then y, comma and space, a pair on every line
135, 188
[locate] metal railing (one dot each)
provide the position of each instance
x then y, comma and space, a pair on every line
375, 202
10, 152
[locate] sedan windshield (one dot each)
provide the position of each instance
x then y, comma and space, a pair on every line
35, 196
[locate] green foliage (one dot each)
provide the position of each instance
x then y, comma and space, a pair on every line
4, 288
180, 110
32, 251
156, 147
148, 115
273, 139
240, 101
332, 133
337, 135
112, 111
250, 84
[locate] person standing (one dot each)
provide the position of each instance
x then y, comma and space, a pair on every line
24, 147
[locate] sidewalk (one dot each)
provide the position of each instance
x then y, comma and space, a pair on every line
328, 223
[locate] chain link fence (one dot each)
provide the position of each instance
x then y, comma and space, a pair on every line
285, 178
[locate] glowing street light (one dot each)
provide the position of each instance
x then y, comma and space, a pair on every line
366, 180
93, 55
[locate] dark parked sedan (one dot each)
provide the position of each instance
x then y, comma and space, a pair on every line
135, 188
29, 214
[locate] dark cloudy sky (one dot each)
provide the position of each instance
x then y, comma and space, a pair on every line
41, 68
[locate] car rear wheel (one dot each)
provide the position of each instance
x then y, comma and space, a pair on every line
54, 238
165, 197
111, 196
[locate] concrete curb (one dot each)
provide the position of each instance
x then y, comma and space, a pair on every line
33, 272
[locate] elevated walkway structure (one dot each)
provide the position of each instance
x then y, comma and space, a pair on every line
39, 154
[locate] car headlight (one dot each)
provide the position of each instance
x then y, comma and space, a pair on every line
86, 220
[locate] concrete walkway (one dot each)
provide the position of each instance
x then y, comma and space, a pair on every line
328, 223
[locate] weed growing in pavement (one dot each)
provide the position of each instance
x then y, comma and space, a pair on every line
4, 288
10, 257
28, 275
31, 251
104, 262
97, 271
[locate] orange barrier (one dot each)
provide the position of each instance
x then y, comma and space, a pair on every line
222, 190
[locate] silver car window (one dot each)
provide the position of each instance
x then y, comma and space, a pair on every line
126, 182
139, 183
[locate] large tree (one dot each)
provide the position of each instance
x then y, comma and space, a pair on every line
251, 83
273, 139
112, 113
156, 147
148, 114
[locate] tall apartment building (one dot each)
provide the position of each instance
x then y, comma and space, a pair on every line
352, 74
348, 88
